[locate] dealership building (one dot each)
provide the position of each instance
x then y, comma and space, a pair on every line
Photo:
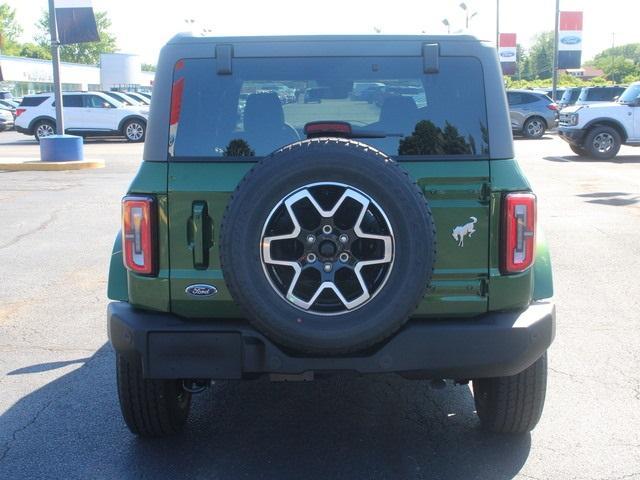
22, 76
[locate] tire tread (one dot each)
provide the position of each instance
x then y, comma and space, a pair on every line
512, 404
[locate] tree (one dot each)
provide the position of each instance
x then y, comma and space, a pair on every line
620, 64
148, 67
32, 50
9, 30
541, 56
88, 53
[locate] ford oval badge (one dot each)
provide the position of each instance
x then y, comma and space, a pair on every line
570, 40
201, 290
507, 54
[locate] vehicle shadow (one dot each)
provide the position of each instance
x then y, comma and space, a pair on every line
614, 199
517, 137
375, 427
577, 158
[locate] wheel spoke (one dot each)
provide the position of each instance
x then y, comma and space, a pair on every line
348, 294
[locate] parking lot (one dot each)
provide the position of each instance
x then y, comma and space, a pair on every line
59, 413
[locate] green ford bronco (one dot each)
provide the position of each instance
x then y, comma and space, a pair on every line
318, 205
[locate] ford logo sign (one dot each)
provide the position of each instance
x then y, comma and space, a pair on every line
570, 40
507, 54
201, 290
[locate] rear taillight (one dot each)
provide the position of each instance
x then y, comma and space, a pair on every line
553, 106
20, 111
138, 234
519, 230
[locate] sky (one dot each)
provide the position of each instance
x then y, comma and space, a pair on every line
143, 26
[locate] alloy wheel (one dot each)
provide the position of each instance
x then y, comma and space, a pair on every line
327, 248
134, 131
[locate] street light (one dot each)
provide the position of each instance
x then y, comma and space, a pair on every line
468, 15
446, 23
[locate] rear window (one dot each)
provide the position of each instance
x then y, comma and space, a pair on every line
600, 94
266, 103
32, 101
571, 95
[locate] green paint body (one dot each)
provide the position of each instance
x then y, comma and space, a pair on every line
466, 282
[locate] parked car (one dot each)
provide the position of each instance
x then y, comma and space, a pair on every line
569, 97
259, 248
413, 92
365, 90
6, 95
144, 94
549, 92
599, 129
9, 105
532, 113
129, 102
89, 114
6, 119
139, 97
599, 94
315, 94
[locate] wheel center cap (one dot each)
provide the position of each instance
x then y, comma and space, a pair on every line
327, 248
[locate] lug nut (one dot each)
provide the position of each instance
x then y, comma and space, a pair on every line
311, 239
327, 267
327, 229
344, 257
311, 257
343, 238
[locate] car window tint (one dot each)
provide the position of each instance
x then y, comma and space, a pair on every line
32, 101
94, 101
73, 101
266, 102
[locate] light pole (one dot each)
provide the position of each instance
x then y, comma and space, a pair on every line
498, 24
555, 53
55, 61
613, 58
446, 23
468, 16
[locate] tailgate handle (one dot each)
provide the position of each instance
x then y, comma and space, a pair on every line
199, 238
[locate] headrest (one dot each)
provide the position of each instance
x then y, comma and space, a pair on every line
263, 111
397, 108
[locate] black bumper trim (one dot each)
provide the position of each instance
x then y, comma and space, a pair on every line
573, 136
26, 131
491, 345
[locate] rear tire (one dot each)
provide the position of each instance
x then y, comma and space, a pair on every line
151, 408
534, 127
603, 143
512, 404
43, 128
579, 151
134, 130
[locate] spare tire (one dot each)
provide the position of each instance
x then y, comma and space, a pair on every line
328, 246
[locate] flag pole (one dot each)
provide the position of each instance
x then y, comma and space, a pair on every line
55, 60
555, 53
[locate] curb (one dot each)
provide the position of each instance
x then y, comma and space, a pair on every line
33, 164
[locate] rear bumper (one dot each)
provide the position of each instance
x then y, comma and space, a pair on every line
492, 345
26, 131
573, 136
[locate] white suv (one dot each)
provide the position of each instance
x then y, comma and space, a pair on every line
88, 114
598, 130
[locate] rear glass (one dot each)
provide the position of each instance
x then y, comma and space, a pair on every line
571, 95
32, 101
266, 103
600, 94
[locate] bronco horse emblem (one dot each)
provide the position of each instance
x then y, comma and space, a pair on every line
462, 230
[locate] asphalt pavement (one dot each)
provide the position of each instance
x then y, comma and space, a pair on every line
59, 414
